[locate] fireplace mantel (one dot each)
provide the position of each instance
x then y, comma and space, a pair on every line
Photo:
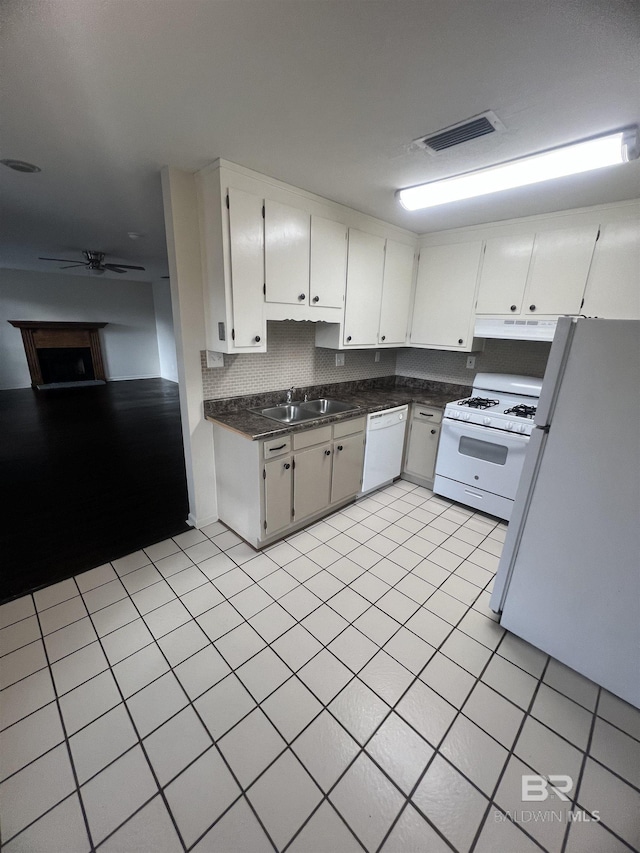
49, 334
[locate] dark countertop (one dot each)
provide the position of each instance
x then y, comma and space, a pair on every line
234, 413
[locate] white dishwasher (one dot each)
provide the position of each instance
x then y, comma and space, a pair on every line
384, 447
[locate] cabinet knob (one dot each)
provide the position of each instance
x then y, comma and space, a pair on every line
532, 307
340, 447
316, 299
348, 337
383, 338
460, 340
327, 453
433, 432
257, 339
287, 465
514, 308
302, 296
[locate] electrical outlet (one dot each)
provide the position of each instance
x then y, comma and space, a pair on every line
377, 357
471, 361
339, 359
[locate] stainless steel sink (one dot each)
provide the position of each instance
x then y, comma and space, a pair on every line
287, 413
294, 413
324, 406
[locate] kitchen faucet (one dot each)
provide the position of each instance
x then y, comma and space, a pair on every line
290, 394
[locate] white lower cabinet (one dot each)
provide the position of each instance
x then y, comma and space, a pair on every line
422, 445
269, 488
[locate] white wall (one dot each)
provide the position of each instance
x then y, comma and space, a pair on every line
164, 330
129, 342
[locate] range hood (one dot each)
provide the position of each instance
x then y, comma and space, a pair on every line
512, 329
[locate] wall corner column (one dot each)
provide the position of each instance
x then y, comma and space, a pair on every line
183, 247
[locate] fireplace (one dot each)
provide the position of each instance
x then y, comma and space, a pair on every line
62, 354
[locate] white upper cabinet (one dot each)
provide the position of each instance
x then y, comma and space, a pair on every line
443, 309
504, 274
246, 250
396, 293
365, 270
328, 268
559, 269
232, 252
286, 253
613, 286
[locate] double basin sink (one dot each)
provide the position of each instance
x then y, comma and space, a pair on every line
296, 412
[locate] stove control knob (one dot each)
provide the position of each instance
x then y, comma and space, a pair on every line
522, 428
509, 424
456, 415
467, 416
486, 421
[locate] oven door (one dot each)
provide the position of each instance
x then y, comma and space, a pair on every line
485, 458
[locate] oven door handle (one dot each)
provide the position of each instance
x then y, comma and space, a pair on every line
484, 433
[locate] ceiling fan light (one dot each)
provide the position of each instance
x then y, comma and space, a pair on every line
573, 159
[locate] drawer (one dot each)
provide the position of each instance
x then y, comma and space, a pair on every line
343, 428
426, 413
310, 437
276, 447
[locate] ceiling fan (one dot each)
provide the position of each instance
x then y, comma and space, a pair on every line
94, 261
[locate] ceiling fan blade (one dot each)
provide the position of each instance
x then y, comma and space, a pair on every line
64, 260
123, 266
71, 266
113, 268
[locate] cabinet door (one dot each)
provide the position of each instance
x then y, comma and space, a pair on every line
396, 293
246, 244
365, 266
328, 271
504, 274
311, 480
348, 456
422, 448
559, 270
445, 294
278, 493
286, 253
613, 286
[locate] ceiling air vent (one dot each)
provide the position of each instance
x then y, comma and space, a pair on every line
464, 131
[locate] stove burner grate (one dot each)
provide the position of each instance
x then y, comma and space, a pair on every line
522, 411
478, 403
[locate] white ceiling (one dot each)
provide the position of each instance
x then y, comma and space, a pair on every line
323, 95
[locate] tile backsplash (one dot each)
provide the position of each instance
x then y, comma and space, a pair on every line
527, 358
293, 359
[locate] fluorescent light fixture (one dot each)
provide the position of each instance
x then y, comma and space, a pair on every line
583, 156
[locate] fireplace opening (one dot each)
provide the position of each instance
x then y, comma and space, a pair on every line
68, 364
62, 354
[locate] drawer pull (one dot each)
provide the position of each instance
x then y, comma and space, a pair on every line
426, 414
433, 432
279, 447
340, 447
327, 453
287, 465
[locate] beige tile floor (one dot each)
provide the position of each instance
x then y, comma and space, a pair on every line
347, 689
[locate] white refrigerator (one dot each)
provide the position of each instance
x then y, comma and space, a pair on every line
569, 577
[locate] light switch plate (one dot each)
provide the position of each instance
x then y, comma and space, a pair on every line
215, 359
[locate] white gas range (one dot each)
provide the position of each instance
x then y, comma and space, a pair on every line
483, 442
